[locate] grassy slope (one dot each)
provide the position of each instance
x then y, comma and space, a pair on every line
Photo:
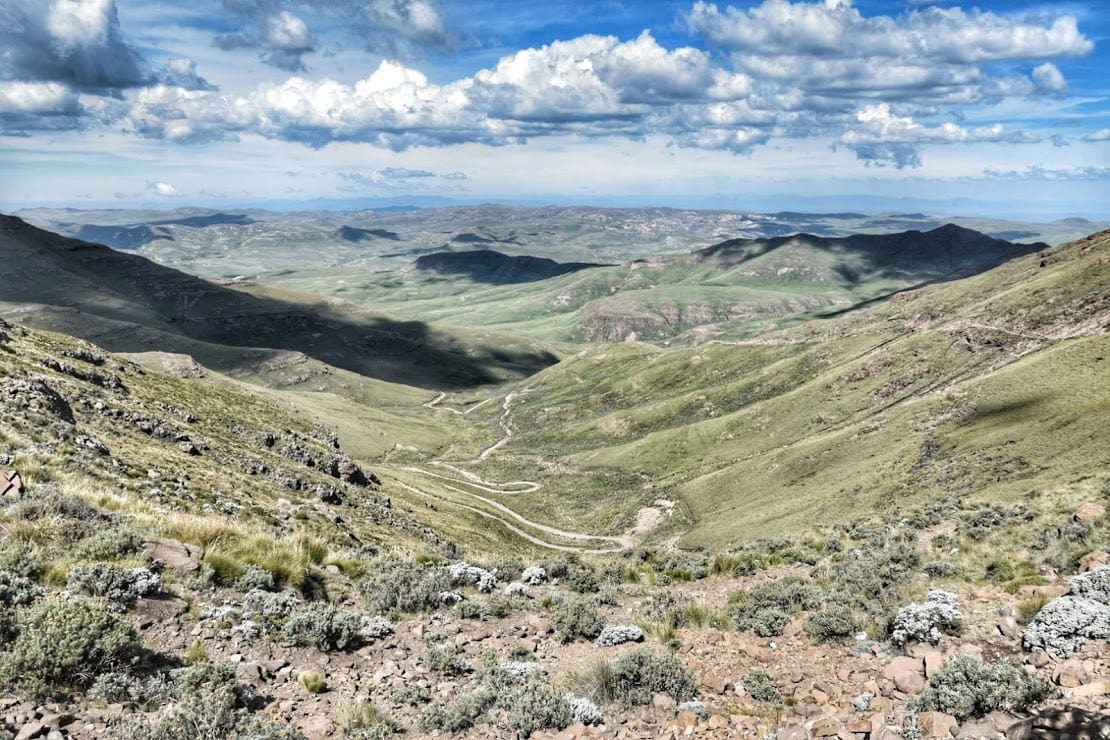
730, 291
130, 304
990, 387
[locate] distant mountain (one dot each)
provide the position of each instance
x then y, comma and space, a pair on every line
353, 234
127, 303
942, 253
123, 237
488, 266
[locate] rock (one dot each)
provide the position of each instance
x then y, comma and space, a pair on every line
177, 556
663, 702
792, 733
1008, 627
32, 730
936, 724
1091, 561
1095, 688
1069, 674
161, 608
907, 674
1020, 730
1089, 512
933, 661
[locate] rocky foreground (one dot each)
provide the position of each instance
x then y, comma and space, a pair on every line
783, 686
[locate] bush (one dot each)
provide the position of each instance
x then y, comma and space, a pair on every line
760, 687
577, 618
109, 544
63, 645
1066, 624
788, 595
363, 721
412, 694
212, 704
395, 586
619, 634
767, 622
834, 623
925, 622
255, 578
313, 682
462, 713
640, 674
968, 687
534, 575
465, 574
326, 628
16, 590
120, 687
940, 569
120, 586
536, 706
583, 710
269, 609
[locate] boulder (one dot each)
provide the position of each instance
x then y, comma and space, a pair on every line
179, 557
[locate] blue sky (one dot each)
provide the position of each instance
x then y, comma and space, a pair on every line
998, 108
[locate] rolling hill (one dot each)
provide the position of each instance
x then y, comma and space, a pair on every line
129, 304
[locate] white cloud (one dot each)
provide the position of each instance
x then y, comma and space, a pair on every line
163, 189
934, 54
415, 20
1036, 172
883, 137
37, 98
1103, 134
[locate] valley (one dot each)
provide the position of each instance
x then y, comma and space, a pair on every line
877, 414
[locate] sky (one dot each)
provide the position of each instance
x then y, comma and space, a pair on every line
1000, 108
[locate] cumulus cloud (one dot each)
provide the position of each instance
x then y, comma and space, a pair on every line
417, 21
282, 37
932, 54
883, 137
1103, 134
163, 189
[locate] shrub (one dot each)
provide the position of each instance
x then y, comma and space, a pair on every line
465, 574
396, 586
109, 544
313, 682
63, 645
363, 721
925, 622
122, 587
212, 705
583, 710
940, 569
536, 706
517, 590
534, 575
834, 623
760, 687
969, 687
640, 674
120, 687
462, 713
577, 618
582, 579
767, 622
446, 659
1094, 585
268, 608
255, 578
1065, 624
412, 694
16, 590
619, 634
322, 626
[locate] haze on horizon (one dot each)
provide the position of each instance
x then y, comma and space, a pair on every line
996, 108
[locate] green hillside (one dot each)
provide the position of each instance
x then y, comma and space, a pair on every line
988, 389
732, 290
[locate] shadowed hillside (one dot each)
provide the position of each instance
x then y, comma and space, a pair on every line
99, 285
487, 266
